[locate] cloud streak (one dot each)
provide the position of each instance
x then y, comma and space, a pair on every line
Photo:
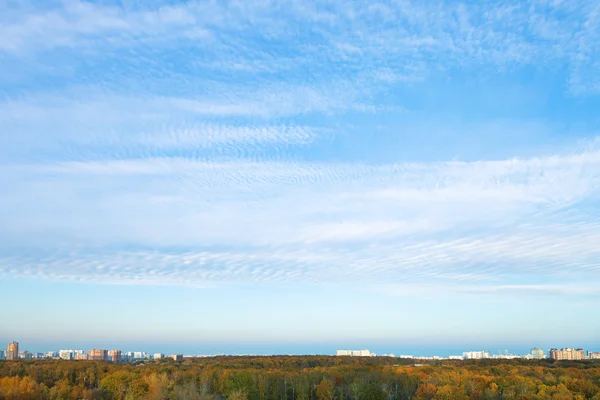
223, 143
409, 40
306, 222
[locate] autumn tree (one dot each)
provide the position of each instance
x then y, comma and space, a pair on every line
325, 390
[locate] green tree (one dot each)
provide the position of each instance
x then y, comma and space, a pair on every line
372, 391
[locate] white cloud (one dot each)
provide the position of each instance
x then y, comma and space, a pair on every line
360, 34
309, 222
196, 156
70, 127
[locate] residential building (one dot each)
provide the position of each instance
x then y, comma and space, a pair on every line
69, 354
537, 354
594, 355
12, 352
25, 355
2, 355
158, 356
476, 355
354, 353
567, 354
177, 357
138, 355
114, 355
80, 357
98, 355
428, 358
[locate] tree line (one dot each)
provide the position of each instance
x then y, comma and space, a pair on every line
300, 378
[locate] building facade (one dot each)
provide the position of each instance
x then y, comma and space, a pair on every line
354, 353
594, 355
69, 354
177, 357
567, 354
12, 352
537, 354
98, 355
140, 355
114, 355
476, 355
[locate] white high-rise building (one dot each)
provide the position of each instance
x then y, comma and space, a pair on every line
537, 354
69, 354
354, 353
476, 355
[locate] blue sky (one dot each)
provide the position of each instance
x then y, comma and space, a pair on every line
291, 176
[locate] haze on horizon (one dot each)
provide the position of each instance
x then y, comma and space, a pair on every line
297, 174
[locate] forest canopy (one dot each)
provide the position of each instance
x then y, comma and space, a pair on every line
300, 378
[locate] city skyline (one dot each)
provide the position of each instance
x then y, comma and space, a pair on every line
113, 354
297, 176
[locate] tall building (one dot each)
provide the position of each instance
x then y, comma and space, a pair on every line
537, 354
69, 354
594, 355
2, 355
140, 355
81, 356
476, 355
114, 355
12, 352
97, 355
177, 357
567, 354
354, 353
